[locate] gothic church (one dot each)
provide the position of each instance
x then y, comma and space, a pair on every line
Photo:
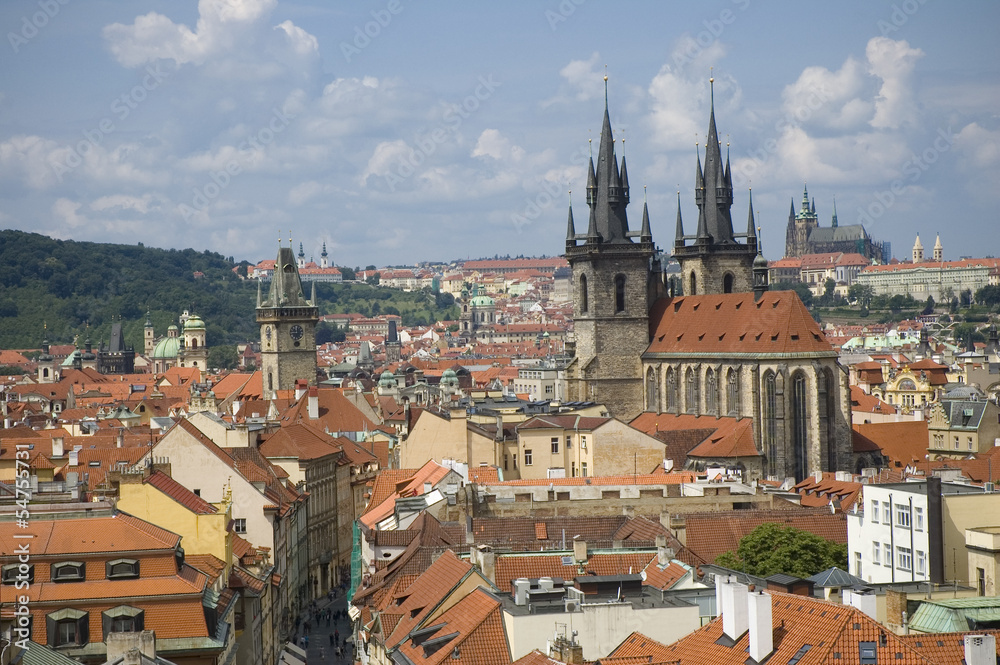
727, 347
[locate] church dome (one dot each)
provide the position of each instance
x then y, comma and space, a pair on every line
387, 380
759, 261
482, 301
194, 322
167, 348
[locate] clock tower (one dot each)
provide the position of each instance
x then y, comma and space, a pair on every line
287, 322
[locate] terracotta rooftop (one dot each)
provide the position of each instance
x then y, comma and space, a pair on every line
735, 323
93, 535
902, 442
710, 534
510, 567
180, 494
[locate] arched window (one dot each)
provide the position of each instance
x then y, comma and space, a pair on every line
770, 428
584, 304
652, 394
691, 396
671, 390
619, 293
800, 425
45, 373
711, 393
732, 393
831, 419
194, 343
727, 283
693, 290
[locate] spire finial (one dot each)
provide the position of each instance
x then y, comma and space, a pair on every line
590, 144
644, 192
605, 86
711, 84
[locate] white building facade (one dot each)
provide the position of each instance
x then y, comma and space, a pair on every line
887, 538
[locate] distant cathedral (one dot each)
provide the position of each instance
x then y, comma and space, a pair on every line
804, 235
727, 347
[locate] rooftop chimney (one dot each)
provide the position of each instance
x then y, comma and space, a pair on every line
58, 446
734, 610
980, 649
761, 626
579, 549
521, 587
74, 457
313, 405
300, 388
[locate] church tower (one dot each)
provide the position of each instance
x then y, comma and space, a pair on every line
716, 262
614, 287
801, 224
938, 250
918, 251
287, 322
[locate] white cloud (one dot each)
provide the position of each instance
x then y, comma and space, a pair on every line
980, 145
492, 144
829, 99
385, 157
124, 202
303, 192
893, 62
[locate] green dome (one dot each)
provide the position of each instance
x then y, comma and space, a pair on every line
387, 379
167, 348
194, 322
482, 301
449, 374
759, 262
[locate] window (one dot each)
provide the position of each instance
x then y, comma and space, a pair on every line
583, 469
770, 422
505, 461
981, 581
874, 511
240, 525
527, 457
800, 424
691, 398
876, 553
619, 293
904, 558
921, 562
68, 571
887, 548
902, 515
857, 564
918, 518
732, 393
583, 441
14, 572
121, 569
555, 445
122, 619
671, 390
970, 443
67, 627
569, 442
886, 512
514, 460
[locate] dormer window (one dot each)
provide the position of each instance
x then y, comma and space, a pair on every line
68, 571
122, 569
11, 573
122, 619
67, 627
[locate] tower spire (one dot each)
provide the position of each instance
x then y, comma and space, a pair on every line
834, 223
645, 235
751, 224
679, 233
570, 227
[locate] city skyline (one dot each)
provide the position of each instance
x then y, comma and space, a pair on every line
397, 132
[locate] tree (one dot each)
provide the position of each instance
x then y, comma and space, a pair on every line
965, 297
829, 286
928, 306
860, 294
222, 357
347, 273
772, 548
374, 279
988, 295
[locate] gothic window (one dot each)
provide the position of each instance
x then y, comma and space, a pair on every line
691, 396
619, 293
732, 393
693, 290
831, 418
800, 424
711, 393
770, 429
652, 394
727, 283
583, 293
671, 390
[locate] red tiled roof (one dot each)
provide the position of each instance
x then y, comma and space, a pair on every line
510, 567
903, 442
710, 534
735, 323
180, 494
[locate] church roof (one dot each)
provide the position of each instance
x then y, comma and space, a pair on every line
734, 323
849, 232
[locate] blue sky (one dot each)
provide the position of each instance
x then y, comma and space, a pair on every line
398, 130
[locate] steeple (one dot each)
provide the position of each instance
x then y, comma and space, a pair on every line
302, 256
717, 198
751, 225
938, 250
791, 209
834, 223
570, 227
286, 286
607, 193
323, 257
679, 233
645, 235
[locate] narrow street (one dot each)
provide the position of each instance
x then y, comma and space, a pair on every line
324, 636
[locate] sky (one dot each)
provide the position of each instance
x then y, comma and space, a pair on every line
398, 131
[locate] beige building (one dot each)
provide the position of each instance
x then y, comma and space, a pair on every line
450, 435
983, 548
959, 428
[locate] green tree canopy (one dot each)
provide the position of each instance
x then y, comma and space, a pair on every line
772, 548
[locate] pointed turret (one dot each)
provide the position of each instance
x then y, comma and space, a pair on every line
813, 210
717, 196
624, 177
938, 250
751, 224
645, 235
258, 292
570, 228
591, 184
312, 297
286, 286
605, 195
324, 257
791, 209
834, 221
679, 232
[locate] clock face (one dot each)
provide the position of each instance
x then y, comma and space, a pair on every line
267, 333
296, 332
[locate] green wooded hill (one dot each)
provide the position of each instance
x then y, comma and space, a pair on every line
67, 285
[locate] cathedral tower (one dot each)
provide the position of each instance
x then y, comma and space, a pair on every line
287, 322
716, 262
918, 251
613, 288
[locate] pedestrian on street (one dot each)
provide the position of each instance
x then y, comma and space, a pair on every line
322, 654
306, 638
332, 642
